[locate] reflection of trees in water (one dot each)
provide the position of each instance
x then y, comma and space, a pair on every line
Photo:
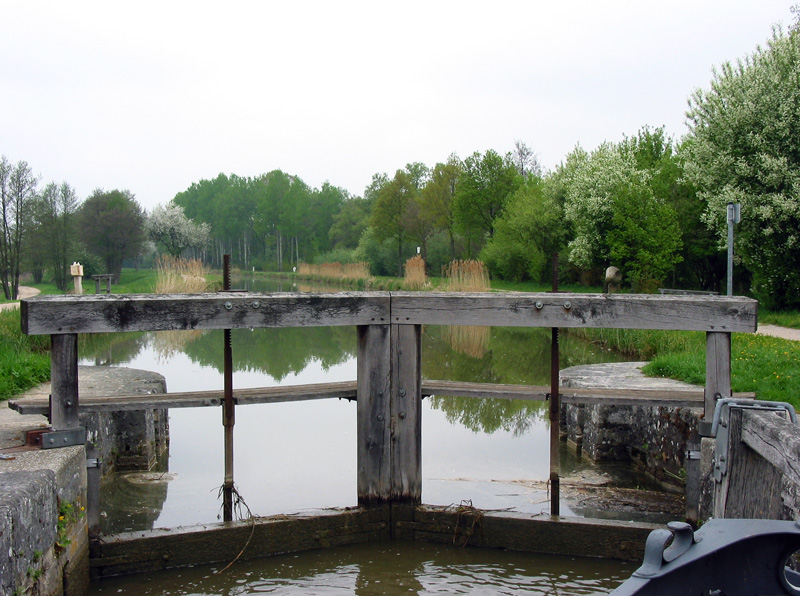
277, 352
489, 415
110, 348
169, 343
511, 355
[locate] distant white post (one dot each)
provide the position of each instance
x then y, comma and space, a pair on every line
76, 270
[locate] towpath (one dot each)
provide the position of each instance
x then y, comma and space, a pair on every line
782, 332
24, 292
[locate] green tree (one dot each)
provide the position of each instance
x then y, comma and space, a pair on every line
438, 198
527, 233
743, 148
703, 264
17, 193
389, 214
112, 227
51, 241
485, 183
349, 223
617, 219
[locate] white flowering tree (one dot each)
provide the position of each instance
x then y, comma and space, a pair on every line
616, 217
168, 225
744, 147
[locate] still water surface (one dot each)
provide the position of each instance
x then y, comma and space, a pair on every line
394, 568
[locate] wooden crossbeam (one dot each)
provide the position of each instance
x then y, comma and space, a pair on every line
347, 390
155, 312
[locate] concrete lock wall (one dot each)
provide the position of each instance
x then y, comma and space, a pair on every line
44, 547
44, 544
652, 438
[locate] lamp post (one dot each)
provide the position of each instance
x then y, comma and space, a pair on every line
734, 217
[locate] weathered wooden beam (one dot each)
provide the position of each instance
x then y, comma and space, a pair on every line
347, 390
718, 375
196, 399
406, 415
158, 312
615, 311
153, 550
148, 551
373, 425
775, 439
63, 403
155, 312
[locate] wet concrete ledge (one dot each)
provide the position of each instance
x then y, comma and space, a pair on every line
651, 438
39, 555
219, 544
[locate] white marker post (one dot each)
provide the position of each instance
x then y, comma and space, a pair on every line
76, 270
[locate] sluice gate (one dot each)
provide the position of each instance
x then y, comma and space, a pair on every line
388, 390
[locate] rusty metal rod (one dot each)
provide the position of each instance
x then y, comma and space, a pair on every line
555, 410
228, 407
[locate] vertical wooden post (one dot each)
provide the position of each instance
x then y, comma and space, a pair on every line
64, 381
373, 426
93, 477
555, 424
718, 374
406, 410
555, 410
228, 406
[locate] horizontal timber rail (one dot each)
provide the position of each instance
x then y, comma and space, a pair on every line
347, 390
156, 312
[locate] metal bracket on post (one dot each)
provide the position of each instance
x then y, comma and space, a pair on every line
63, 438
721, 421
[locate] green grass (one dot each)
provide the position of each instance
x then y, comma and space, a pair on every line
786, 318
529, 286
132, 281
768, 366
24, 360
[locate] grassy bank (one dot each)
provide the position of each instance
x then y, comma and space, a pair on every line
24, 360
132, 281
769, 366
786, 318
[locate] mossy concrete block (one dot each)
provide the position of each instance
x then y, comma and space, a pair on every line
28, 514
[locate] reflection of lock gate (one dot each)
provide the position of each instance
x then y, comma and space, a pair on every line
725, 556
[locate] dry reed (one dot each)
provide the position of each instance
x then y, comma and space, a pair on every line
180, 275
466, 276
415, 277
349, 271
176, 275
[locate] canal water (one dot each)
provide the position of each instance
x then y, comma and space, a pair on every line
393, 568
290, 457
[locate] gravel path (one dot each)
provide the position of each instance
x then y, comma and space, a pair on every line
782, 332
24, 292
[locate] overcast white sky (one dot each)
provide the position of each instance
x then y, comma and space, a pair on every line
153, 96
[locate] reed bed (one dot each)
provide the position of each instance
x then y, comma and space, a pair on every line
415, 276
466, 276
345, 271
176, 275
